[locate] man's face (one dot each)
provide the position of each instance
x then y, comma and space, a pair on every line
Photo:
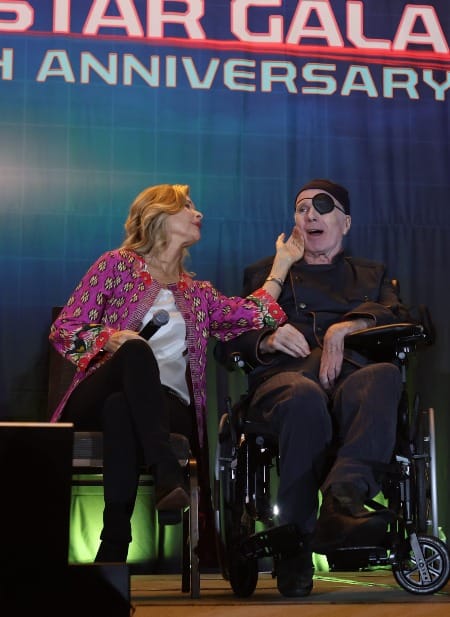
323, 233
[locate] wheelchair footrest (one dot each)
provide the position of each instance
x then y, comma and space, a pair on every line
283, 540
354, 558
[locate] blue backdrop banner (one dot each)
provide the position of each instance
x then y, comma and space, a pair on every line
243, 100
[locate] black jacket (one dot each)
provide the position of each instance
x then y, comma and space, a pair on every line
314, 297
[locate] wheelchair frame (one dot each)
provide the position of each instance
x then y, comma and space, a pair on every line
247, 455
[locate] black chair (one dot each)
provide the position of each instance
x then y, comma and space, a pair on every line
87, 467
247, 458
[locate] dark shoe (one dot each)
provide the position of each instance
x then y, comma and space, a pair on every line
171, 492
171, 498
109, 552
345, 522
295, 575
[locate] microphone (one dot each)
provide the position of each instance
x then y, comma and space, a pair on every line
160, 318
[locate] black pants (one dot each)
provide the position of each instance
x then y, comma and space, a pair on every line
358, 427
125, 400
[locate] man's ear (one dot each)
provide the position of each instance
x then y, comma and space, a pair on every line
348, 224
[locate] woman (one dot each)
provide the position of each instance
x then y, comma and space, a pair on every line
137, 391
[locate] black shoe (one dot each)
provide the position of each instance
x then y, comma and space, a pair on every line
110, 552
171, 492
295, 575
171, 498
345, 522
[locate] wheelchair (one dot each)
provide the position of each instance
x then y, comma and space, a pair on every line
246, 467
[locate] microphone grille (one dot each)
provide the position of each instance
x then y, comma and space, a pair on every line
161, 317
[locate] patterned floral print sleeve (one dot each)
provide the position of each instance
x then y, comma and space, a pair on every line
231, 316
79, 332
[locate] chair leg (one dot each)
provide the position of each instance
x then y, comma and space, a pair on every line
186, 566
194, 531
191, 574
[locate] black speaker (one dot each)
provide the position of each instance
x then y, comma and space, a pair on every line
94, 590
105, 590
35, 486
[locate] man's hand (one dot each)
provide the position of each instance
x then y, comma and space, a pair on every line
287, 339
333, 349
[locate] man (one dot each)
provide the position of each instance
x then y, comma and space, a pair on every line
319, 397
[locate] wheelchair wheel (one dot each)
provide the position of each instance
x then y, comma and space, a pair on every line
427, 577
243, 571
243, 575
224, 491
234, 523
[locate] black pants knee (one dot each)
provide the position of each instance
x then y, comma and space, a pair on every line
297, 409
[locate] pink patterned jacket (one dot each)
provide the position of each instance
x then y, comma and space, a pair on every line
116, 293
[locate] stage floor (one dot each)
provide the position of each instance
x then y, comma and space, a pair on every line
352, 594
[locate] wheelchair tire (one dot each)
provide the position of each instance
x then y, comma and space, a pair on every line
223, 493
437, 562
233, 523
243, 575
243, 571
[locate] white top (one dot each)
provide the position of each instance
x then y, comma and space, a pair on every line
169, 345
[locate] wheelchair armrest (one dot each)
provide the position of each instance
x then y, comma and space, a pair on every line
386, 340
380, 343
427, 322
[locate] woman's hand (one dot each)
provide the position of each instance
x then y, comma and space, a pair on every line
117, 339
291, 250
288, 252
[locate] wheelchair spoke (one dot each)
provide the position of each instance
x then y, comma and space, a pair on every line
409, 574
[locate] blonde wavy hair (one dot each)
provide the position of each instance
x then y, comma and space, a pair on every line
145, 228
